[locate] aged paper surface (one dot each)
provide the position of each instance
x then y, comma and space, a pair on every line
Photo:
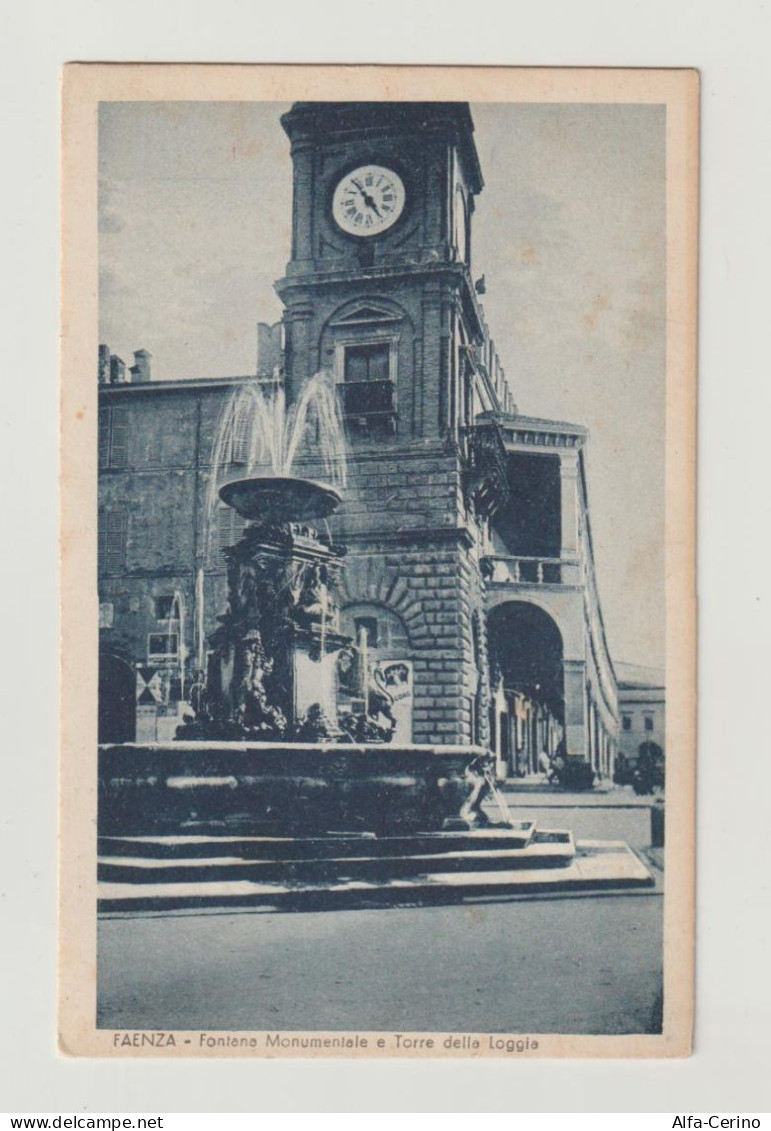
467, 859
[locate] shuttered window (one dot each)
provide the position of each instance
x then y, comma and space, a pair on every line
230, 527
113, 436
113, 527
239, 447
119, 437
104, 437
367, 362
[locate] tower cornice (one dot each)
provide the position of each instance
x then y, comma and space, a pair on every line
326, 122
291, 288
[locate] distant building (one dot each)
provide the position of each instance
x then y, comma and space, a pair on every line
642, 711
470, 560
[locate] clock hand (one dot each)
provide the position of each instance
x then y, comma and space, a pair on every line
368, 200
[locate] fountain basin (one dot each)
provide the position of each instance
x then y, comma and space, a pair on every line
280, 499
272, 788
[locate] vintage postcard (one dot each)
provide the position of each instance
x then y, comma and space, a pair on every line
378, 601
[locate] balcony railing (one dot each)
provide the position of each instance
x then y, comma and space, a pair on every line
368, 402
486, 480
505, 569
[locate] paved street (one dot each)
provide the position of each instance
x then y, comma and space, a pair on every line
520, 791
582, 965
586, 821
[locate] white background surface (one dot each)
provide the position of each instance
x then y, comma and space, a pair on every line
729, 43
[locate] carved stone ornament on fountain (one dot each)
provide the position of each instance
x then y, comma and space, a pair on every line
272, 673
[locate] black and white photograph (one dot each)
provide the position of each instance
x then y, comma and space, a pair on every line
386, 758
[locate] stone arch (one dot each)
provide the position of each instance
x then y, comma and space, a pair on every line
565, 609
368, 579
391, 635
526, 648
527, 675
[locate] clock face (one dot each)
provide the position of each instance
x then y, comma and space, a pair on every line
369, 200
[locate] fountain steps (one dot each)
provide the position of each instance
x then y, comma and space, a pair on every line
167, 874
334, 845
222, 866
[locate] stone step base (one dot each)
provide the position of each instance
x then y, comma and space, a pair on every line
592, 866
544, 851
334, 845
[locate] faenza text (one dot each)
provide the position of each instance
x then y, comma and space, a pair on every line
142, 1040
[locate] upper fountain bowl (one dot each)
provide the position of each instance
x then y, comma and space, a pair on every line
280, 499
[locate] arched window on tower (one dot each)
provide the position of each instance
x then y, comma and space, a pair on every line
363, 343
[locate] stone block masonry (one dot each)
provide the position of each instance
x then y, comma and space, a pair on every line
428, 585
412, 551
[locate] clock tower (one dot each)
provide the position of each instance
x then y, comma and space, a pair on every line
378, 292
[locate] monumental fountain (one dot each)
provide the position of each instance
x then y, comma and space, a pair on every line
270, 794
273, 667
268, 749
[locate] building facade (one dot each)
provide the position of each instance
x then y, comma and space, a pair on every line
470, 562
642, 713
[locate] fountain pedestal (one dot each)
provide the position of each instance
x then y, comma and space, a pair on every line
273, 670
268, 750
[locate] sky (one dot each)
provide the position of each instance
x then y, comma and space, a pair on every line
569, 232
